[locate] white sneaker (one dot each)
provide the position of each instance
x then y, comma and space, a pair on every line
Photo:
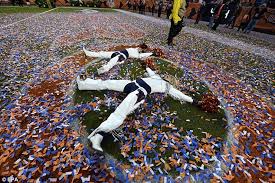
96, 140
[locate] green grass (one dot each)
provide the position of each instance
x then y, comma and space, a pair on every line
78, 9
17, 9
34, 9
213, 123
189, 117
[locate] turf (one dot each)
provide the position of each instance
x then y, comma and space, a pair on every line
17, 9
35, 9
78, 9
189, 117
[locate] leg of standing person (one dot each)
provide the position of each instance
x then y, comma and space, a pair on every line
159, 12
198, 17
230, 23
174, 31
234, 21
171, 33
250, 26
217, 23
240, 26
170, 12
244, 25
211, 21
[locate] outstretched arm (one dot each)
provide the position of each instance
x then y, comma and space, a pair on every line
145, 55
134, 53
152, 73
109, 65
178, 95
101, 54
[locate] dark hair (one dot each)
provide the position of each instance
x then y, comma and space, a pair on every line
143, 46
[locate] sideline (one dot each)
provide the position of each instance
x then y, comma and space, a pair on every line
27, 18
256, 50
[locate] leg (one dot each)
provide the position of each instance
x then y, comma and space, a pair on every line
116, 119
198, 17
171, 33
174, 31
215, 26
91, 84
234, 21
101, 54
250, 26
210, 25
244, 25
240, 26
109, 65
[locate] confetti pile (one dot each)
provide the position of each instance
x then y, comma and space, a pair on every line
7, 19
38, 141
209, 103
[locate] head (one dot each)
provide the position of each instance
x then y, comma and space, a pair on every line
143, 47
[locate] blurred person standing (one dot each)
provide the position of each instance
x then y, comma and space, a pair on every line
179, 7
236, 14
160, 6
245, 19
259, 12
153, 8
221, 14
168, 9
200, 11
214, 8
232, 7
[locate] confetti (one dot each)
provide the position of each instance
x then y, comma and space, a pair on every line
37, 111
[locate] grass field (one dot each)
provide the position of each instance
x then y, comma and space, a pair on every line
189, 117
35, 9
17, 9
77, 9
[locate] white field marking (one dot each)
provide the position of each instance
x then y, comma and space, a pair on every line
27, 18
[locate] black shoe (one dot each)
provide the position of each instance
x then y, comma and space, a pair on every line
170, 43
